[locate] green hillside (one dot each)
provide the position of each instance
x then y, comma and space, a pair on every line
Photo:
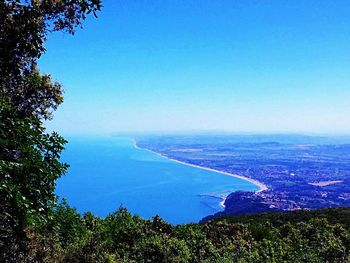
332, 215
304, 236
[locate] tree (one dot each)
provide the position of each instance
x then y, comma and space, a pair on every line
24, 26
29, 157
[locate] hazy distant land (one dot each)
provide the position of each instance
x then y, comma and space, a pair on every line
296, 172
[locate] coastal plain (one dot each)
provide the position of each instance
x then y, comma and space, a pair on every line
299, 172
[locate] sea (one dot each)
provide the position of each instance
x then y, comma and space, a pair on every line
107, 173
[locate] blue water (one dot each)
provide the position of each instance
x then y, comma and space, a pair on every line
110, 172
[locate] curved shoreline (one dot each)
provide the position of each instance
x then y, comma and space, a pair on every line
262, 186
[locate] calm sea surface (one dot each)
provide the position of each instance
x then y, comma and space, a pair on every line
110, 172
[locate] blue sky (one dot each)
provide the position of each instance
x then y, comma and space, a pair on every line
242, 66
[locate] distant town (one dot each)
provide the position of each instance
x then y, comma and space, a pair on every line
300, 172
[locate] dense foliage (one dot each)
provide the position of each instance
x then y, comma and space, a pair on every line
29, 157
321, 236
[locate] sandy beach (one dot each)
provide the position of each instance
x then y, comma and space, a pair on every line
262, 186
325, 183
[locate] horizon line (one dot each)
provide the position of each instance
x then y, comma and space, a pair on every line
207, 132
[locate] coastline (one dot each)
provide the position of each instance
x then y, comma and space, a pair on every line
262, 186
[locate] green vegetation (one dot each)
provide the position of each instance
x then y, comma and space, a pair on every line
34, 228
29, 157
308, 236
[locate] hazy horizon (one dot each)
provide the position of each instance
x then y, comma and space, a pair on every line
238, 66
213, 132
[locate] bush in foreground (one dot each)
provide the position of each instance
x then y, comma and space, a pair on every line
122, 237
